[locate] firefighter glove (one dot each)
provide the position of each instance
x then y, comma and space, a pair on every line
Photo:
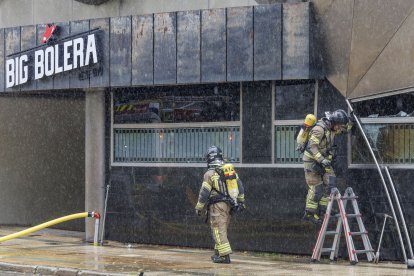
325, 163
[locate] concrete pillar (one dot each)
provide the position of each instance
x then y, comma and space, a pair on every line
94, 156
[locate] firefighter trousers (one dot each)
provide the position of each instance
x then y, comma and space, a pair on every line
318, 186
219, 222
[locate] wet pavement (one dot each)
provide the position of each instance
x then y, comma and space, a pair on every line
57, 252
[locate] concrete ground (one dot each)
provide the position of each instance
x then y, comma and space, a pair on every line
57, 252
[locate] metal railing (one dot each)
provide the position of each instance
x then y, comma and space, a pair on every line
285, 145
174, 144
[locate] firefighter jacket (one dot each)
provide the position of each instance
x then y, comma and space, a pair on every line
321, 141
213, 190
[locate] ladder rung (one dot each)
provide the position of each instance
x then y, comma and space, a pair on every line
353, 215
331, 232
358, 233
327, 250
348, 197
348, 215
364, 251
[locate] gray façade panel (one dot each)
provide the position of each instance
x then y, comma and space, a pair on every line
142, 49
45, 83
240, 44
2, 63
28, 41
120, 51
79, 78
11, 46
61, 80
213, 49
188, 46
165, 48
268, 42
100, 78
296, 34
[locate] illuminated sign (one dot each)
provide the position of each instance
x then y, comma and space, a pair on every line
69, 53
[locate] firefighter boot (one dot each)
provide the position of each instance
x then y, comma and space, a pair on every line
215, 255
312, 217
221, 259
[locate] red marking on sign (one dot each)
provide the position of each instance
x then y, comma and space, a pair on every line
50, 29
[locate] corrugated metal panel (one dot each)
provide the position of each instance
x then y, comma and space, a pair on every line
102, 78
61, 80
165, 48
213, 41
46, 83
12, 45
296, 35
142, 50
240, 44
120, 47
28, 40
267, 42
2, 63
188, 46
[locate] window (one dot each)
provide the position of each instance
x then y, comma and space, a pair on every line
389, 125
292, 101
175, 124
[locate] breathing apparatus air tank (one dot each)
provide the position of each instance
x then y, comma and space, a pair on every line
303, 134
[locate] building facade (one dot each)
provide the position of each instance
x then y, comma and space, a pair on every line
133, 99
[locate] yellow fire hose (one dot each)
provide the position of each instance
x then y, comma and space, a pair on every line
53, 222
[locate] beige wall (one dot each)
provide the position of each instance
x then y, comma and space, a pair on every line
28, 12
42, 163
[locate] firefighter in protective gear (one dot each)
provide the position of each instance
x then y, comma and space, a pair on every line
317, 158
215, 197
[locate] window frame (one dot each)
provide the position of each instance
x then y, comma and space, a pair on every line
380, 120
114, 126
297, 122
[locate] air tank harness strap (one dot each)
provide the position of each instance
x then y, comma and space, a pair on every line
214, 200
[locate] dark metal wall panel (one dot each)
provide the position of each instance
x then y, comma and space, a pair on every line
188, 46
296, 55
165, 48
12, 45
120, 51
46, 83
61, 80
2, 61
102, 79
240, 44
142, 49
28, 40
213, 41
268, 42
79, 78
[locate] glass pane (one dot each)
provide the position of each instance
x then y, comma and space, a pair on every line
175, 145
392, 106
392, 143
294, 101
285, 145
207, 103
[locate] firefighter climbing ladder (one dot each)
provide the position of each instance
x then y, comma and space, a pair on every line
342, 222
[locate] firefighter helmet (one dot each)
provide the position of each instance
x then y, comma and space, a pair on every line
338, 117
214, 156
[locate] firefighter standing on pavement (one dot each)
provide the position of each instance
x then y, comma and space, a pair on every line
319, 174
217, 195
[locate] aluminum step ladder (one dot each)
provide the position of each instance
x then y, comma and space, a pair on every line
343, 223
